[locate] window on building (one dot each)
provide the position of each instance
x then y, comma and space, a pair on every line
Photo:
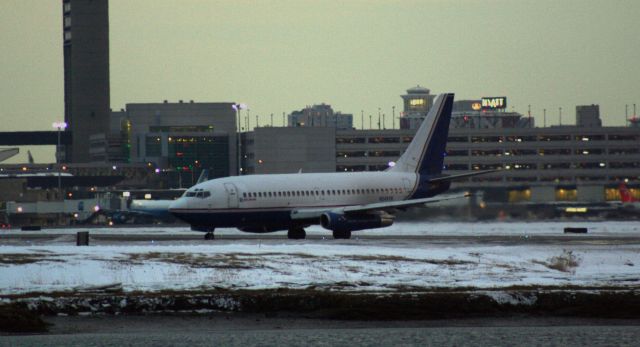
457, 139
351, 154
566, 194
456, 167
621, 137
589, 151
348, 140
519, 195
554, 151
623, 151
554, 138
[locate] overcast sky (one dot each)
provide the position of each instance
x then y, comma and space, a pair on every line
279, 56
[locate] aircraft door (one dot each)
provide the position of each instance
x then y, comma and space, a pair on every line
232, 195
407, 185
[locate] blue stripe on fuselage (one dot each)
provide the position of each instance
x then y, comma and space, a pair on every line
237, 218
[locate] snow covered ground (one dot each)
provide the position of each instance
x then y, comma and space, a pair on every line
353, 265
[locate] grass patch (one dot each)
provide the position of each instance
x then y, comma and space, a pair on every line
396, 258
24, 258
566, 262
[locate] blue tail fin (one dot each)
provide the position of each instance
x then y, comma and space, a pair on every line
425, 154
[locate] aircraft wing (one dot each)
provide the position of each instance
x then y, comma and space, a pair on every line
309, 213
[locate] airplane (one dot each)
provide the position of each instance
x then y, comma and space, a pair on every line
158, 209
341, 201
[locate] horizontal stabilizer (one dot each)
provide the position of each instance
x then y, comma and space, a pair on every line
458, 176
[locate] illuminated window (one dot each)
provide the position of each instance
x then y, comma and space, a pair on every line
417, 102
566, 194
519, 195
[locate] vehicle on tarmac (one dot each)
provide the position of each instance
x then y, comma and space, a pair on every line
342, 202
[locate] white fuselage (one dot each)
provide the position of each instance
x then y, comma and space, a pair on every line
266, 201
288, 191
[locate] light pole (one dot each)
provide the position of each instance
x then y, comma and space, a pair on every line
60, 126
393, 117
237, 108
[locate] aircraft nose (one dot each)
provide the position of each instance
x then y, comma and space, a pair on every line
181, 203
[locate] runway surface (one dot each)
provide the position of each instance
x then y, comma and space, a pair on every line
603, 233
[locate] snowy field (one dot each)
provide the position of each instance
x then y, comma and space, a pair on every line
327, 264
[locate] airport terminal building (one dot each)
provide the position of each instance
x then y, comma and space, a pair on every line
536, 164
585, 162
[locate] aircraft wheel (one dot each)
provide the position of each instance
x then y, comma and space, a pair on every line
342, 234
296, 233
209, 236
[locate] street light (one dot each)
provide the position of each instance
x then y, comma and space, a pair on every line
237, 108
60, 126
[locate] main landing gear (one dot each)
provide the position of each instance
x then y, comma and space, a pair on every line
342, 234
207, 230
296, 233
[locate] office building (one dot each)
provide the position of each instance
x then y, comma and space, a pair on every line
179, 138
321, 115
567, 163
588, 116
86, 74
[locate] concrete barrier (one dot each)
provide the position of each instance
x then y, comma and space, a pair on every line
575, 230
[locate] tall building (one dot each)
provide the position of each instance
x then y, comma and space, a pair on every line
588, 116
487, 113
320, 116
86, 73
417, 103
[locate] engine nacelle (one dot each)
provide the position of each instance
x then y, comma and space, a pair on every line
340, 222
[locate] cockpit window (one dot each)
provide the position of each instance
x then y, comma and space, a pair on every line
198, 193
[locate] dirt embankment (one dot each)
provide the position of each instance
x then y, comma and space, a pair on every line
21, 314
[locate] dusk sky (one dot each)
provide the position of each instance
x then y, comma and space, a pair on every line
279, 56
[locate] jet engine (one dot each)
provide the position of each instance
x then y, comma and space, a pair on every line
341, 222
